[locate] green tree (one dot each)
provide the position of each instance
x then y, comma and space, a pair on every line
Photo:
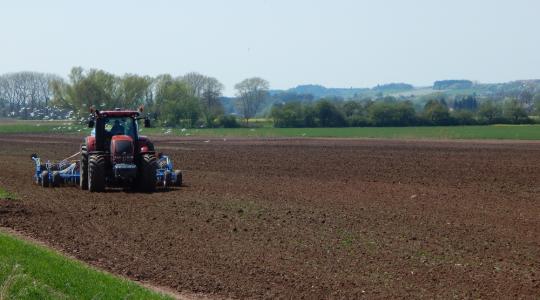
352, 108
328, 115
290, 114
436, 112
355, 113
180, 107
92, 88
514, 111
536, 101
526, 100
463, 117
392, 113
489, 111
101, 89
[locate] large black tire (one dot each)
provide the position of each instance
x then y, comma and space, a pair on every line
147, 173
45, 178
96, 173
178, 181
56, 179
83, 181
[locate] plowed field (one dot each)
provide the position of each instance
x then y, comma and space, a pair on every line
302, 218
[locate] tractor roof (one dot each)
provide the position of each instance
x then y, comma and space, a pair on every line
117, 113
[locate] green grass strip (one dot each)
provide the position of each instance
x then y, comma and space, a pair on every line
28, 271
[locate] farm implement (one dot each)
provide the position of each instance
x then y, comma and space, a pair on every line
114, 155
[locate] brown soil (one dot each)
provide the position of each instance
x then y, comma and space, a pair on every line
302, 218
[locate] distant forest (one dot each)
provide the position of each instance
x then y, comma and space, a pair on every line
196, 100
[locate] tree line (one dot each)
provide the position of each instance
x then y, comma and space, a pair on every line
191, 100
196, 100
389, 111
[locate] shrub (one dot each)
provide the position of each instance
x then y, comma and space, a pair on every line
228, 122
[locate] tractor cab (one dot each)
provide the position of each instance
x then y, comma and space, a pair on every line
108, 124
119, 126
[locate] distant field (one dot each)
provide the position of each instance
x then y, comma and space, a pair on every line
31, 272
511, 132
517, 132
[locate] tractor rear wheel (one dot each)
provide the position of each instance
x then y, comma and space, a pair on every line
147, 173
96, 173
45, 179
178, 181
83, 181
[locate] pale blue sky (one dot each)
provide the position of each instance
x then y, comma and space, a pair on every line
338, 43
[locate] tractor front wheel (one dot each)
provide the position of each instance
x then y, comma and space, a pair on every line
147, 173
96, 173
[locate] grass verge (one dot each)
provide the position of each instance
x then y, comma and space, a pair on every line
32, 272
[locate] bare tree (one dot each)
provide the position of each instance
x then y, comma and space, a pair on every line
195, 83
133, 90
251, 94
25, 92
207, 90
209, 101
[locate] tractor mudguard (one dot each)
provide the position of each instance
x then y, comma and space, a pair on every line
90, 142
145, 145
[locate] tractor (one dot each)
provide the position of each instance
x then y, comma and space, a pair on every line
115, 155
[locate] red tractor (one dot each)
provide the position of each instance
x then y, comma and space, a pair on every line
115, 155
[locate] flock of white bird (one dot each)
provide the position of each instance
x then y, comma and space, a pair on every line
50, 113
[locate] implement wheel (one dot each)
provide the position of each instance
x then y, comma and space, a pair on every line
178, 181
96, 173
56, 179
45, 178
166, 179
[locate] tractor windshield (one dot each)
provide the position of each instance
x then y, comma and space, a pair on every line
121, 126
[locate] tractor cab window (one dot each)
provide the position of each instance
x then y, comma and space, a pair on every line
120, 126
